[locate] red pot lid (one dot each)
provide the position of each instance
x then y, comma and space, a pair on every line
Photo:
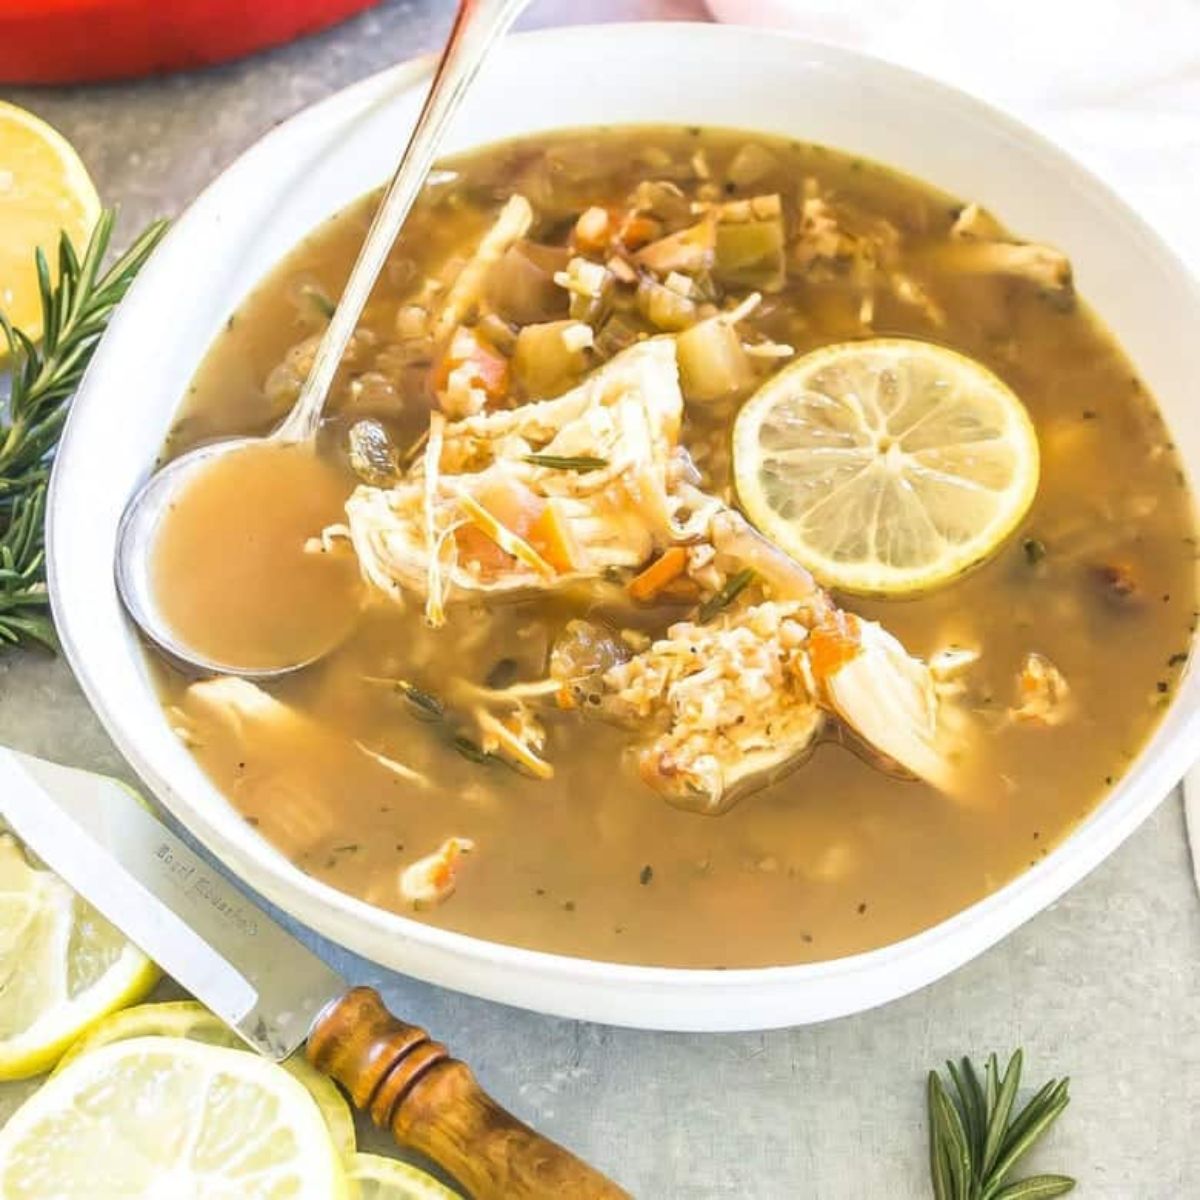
73, 41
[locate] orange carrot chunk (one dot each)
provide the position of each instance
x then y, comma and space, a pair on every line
667, 566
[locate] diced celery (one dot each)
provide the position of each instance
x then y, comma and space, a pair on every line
712, 363
750, 254
664, 307
544, 363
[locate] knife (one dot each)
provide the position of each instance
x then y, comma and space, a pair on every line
271, 990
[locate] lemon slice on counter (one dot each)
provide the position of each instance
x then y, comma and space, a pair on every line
380, 1178
155, 1117
885, 466
62, 966
44, 190
188, 1019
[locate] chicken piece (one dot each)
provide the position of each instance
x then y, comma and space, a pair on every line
1043, 695
431, 880
1042, 266
820, 236
732, 701
463, 294
237, 704
884, 695
622, 424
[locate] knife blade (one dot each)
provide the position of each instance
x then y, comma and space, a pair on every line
271, 989
174, 906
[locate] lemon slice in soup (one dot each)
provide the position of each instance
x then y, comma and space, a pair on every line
885, 466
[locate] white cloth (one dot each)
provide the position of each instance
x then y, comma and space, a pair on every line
1115, 82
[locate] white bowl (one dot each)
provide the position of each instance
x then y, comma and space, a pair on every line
328, 155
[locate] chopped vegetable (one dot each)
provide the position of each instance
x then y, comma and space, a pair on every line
593, 231
751, 164
549, 358
664, 306
751, 254
521, 286
666, 567
712, 362
470, 374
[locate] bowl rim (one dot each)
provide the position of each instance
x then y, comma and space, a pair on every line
904, 965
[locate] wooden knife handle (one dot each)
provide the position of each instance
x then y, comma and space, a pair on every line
432, 1103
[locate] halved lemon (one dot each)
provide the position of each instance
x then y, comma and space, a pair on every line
379, 1178
44, 190
887, 466
188, 1019
159, 1116
62, 966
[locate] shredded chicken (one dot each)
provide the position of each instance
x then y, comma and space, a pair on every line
1041, 265
1043, 695
432, 879
463, 294
625, 417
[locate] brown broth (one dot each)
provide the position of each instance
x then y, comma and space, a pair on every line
835, 858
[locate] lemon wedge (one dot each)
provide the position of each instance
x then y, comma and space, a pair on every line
887, 466
165, 1117
44, 190
62, 966
188, 1019
380, 1178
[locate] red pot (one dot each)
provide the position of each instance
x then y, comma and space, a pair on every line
72, 41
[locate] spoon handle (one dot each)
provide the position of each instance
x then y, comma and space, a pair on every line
477, 26
432, 1103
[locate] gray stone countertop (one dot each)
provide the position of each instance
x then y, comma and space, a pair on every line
1102, 986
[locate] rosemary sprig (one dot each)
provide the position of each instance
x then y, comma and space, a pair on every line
975, 1142
734, 586
567, 462
76, 308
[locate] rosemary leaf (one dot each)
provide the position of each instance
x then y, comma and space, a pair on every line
970, 1103
734, 586
954, 1138
939, 1170
1002, 1109
428, 706
563, 462
1038, 1187
76, 308
1037, 1116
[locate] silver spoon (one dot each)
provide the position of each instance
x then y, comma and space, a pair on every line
478, 25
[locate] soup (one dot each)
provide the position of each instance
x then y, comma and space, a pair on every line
583, 704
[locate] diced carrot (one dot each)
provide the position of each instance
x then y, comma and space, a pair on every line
513, 505
486, 367
552, 538
593, 230
834, 643
637, 230
667, 566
